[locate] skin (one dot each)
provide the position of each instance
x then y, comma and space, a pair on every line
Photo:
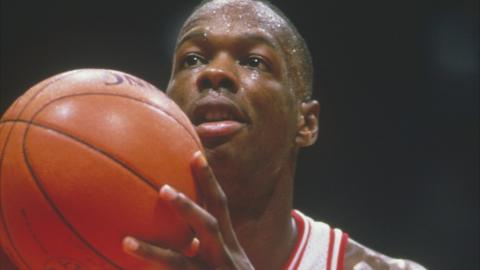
242, 59
247, 61
247, 66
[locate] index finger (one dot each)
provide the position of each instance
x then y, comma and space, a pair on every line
214, 197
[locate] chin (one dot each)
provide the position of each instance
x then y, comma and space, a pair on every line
219, 157
223, 161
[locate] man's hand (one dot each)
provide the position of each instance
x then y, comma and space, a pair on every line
215, 246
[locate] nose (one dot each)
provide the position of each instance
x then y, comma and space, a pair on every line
219, 75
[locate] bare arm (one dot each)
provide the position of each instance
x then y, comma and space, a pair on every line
359, 257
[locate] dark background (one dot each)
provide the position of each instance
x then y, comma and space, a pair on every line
396, 164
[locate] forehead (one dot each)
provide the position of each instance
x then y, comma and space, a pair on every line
236, 16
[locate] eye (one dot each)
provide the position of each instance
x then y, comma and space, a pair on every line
256, 62
193, 60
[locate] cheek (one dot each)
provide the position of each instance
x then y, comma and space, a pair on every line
274, 106
270, 96
269, 87
181, 89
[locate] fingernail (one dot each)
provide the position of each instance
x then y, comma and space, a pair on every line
192, 250
202, 161
168, 193
130, 244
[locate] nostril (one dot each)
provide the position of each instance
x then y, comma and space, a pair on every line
205, 83
227, 84
218, 79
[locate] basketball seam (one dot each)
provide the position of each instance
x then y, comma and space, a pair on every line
160, 109
126, 97
32, 119
3, 220
192, 136
49, 200
195, 139
30, 122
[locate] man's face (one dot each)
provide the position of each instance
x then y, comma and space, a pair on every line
230, 77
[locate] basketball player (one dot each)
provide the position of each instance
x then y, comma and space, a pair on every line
243, 75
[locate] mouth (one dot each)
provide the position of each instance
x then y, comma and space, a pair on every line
217, 119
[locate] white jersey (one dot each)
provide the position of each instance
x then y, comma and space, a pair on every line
318, 247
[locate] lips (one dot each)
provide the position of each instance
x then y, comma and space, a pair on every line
217, 119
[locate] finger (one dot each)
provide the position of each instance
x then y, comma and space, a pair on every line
205, 226
156, 255
192, 250
214, 196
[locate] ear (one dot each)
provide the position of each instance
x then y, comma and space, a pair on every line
307, 124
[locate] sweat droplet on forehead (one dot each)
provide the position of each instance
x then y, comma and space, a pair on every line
231, 13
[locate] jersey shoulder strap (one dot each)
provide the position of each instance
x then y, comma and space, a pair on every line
318, 246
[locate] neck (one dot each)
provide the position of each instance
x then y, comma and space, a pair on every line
263, 223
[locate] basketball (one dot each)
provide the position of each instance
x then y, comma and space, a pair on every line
82, 157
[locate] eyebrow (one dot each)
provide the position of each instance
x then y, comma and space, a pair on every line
191, 35
269, 41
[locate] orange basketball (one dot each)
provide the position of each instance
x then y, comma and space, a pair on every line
82, 157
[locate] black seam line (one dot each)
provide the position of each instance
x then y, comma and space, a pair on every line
82, 94
49, 200
123, 164
1, 129
3, 220
113, 158
2, 212
115, 95
59, 78
192, 136
159, 109
150, 104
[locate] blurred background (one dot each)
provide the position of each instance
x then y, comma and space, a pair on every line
396, 164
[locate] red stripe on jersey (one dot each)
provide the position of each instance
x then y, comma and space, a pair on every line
331, 241
300, 258
300, 231
341, 252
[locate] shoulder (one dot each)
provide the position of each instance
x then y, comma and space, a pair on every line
328, 244
359, 257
